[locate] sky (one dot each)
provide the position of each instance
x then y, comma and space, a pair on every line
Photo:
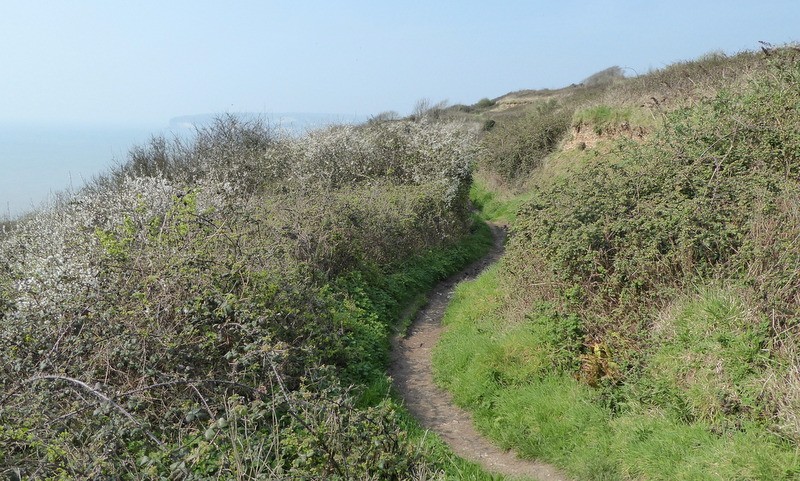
81, 81
144, 62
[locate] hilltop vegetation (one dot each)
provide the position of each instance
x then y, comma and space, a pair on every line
644, 321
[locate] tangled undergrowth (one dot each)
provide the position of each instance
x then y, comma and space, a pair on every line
644, 321
214, 308
624, 233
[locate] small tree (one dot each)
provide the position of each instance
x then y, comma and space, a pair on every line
485, 103
423, 109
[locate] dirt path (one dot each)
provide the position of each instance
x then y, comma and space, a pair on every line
412, 372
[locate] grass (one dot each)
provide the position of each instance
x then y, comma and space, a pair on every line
493, 205
611, 119
489, 366
723, 359
642, 323
603, 117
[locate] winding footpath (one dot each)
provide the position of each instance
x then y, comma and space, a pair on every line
412, 371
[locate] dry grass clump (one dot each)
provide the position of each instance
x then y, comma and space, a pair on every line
783, 387
684, 83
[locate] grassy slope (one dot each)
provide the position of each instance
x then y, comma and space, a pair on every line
499, 371
687, 402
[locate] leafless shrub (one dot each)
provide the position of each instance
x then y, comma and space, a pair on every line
387, 116
425, 110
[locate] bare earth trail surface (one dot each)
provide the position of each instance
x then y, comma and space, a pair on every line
412, 372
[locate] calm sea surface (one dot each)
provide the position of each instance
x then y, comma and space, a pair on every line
37, 160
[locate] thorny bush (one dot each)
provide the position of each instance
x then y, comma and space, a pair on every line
182, 316
711, 197
515, 146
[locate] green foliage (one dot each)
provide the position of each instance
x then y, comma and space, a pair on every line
603, 118
513, 147
621, 231
196, 313
117, 245
596, 305
722, 362
494, 367
484, 103
516, 355
494, 206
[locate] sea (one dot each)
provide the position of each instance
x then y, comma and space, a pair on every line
40, 160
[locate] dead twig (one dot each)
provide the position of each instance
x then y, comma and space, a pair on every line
99, 395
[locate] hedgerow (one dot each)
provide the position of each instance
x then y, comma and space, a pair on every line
709, 200
643, 322
515, 146
203, 310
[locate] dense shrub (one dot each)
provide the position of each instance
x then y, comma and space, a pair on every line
514, 146
708, 198
484, 103
198, 311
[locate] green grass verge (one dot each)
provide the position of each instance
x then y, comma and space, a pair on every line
639, 326
380, 302
497, 371
605, 119
398, 295
493, 206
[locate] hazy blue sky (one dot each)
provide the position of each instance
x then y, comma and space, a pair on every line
146, 61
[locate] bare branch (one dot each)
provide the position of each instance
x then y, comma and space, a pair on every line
98, 394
